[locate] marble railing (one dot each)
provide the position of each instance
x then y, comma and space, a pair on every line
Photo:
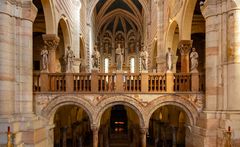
118, 82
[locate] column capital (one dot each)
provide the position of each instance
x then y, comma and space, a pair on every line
94, 128
185, 46
143, 130
51, 40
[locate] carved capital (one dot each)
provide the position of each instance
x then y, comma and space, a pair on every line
51, 40
94, 129
143, 130
185, 46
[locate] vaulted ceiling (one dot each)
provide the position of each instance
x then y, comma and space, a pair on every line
118, 15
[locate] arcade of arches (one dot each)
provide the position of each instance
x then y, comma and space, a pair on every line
119, 73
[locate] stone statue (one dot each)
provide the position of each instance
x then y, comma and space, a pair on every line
144, 59
194, 60
169, 61
69, 59
95, 57
119, 57
44, 54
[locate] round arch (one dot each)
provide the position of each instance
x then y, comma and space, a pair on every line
49, 16
186, 25
94, 3
130, 102
50, 110
63, 23
170, 34
182, 103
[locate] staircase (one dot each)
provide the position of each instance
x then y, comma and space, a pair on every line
119, 140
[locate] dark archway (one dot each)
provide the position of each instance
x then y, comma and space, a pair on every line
72, 127
119, 127
167, 127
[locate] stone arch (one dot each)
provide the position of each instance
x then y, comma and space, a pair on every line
94, 3
50, 110
49, 16
179, 101
170, 35
131, 102
186, 25
63, 23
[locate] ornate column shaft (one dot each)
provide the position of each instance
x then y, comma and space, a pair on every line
95, 135
52, 41
185, 48
143, 134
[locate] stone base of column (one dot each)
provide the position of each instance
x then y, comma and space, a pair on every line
24, 131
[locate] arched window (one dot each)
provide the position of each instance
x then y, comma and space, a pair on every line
132, 65
106, 65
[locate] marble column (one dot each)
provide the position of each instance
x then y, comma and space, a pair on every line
52, 41
143, 134
185, 48
95, 136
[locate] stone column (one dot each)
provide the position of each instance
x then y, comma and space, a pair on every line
64, 134
95, 135
174, 136
52, 41
185, 48
7, 65
143, 134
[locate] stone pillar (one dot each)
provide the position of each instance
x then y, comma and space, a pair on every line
7, 65
185, 48
95, 136
143, 134
174, 136
64, 135
170, 82
52, 41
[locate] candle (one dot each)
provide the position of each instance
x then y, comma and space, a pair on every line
8, 130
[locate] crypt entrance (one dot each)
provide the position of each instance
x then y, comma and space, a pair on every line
119, 127
168, 127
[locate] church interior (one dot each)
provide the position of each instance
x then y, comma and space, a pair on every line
119, 73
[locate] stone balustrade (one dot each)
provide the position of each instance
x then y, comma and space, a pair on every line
118, 82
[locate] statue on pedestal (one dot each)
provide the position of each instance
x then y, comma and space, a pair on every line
144, 59
119, 57
95, 58
44, 54
69, 60
194, 60
169, 60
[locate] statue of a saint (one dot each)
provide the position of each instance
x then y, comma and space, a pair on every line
194, 60
44, 54
95, 57
144, 59
69, 59
169, 60
119, 57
